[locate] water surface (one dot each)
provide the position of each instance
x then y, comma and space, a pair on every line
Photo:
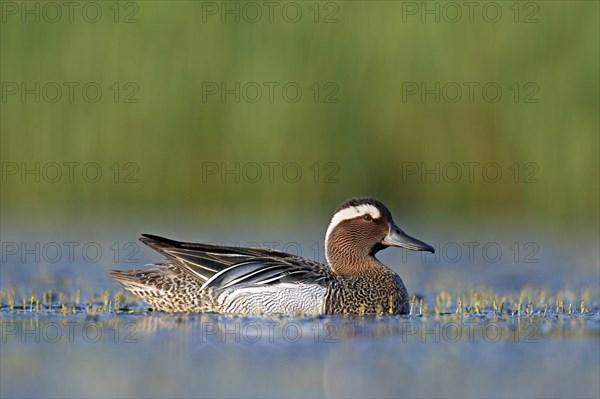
485, 327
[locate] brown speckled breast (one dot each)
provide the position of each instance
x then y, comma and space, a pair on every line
376, 292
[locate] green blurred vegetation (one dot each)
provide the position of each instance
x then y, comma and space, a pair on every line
367, 139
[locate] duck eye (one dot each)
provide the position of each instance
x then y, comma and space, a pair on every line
367, 217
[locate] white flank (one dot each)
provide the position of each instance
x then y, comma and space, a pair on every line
284, 298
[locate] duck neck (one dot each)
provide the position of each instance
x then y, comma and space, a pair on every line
345, 261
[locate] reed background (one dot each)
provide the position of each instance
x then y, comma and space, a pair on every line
369, 136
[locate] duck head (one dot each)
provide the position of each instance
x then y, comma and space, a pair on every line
359, 228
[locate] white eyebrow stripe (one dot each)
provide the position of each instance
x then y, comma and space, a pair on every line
351, 213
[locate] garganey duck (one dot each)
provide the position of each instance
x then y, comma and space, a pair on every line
210, 278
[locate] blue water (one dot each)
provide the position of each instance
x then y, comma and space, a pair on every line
215, 356
149, 354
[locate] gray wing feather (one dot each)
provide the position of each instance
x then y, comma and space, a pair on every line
220, 267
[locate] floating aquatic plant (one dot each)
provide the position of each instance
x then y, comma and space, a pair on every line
526, 303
